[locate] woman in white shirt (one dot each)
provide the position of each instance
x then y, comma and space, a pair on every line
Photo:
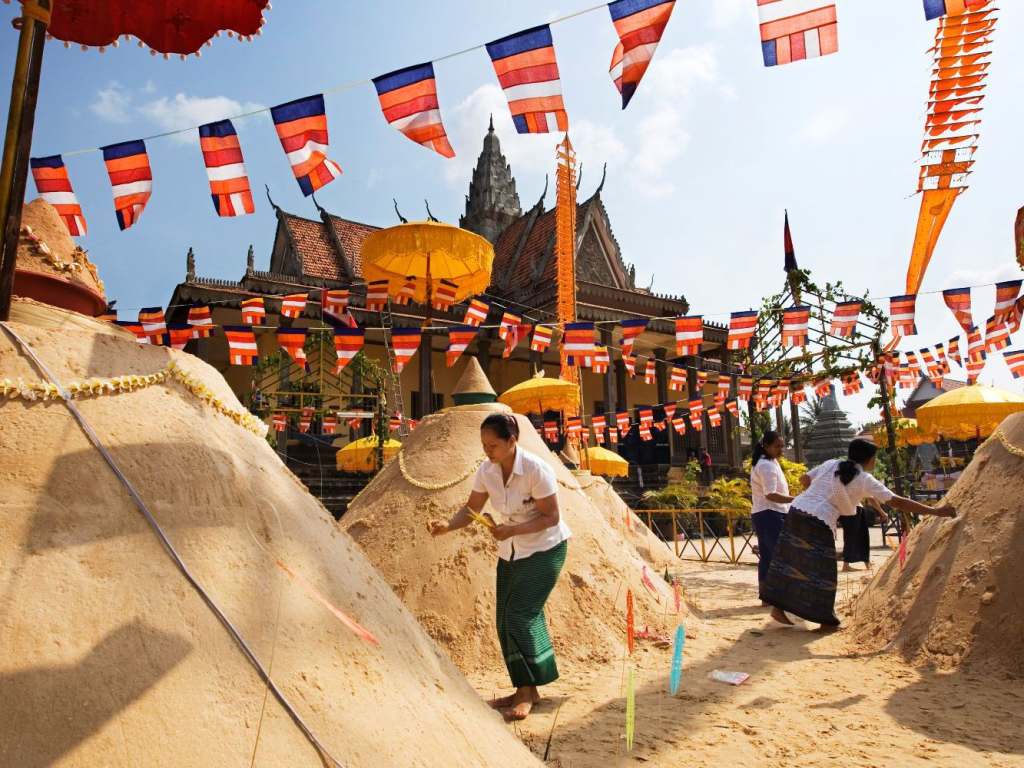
770, 499
532, 543
803, 573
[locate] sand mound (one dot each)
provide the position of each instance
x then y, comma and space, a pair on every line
45, 246
958, 599
111, 658
448, 582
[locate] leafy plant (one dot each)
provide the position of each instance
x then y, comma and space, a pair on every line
673, 496
728, 493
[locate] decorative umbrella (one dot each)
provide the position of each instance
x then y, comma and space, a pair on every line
968, 412
541, 394
907, 433
605, 462
429, 251
361, 455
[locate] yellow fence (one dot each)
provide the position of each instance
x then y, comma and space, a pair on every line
705, 533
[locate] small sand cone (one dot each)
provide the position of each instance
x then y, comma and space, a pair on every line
473, 388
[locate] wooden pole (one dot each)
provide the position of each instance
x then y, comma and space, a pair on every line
426, 351
18, 140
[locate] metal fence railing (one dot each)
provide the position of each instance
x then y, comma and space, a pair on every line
707, 535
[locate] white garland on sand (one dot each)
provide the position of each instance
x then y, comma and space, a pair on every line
434, 486
94, 387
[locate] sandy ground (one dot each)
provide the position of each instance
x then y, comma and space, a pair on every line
811, 699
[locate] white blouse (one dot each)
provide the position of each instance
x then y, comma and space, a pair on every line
767, 477
828, 499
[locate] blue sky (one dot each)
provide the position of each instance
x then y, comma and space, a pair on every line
711, 150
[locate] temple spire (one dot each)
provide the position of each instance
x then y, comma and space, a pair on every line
492, 203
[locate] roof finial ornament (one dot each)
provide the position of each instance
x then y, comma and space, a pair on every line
250, 260
490, 128
190, 266
543, 195
651, 286
270, 199
398, 213
604, 173
318, 206
429, 214
579, 176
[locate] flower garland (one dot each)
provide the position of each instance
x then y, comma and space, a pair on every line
1005, 441
41, 390
434, 486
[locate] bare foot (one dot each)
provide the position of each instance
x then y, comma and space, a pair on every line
827, 629
846, 568
521, 703
780, 616
502, 701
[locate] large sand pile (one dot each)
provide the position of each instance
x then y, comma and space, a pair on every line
960, 597
45, 246
448, 582
110, 658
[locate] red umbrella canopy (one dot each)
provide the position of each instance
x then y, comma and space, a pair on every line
166, 26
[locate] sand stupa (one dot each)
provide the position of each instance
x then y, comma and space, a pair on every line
448, 582
957, 599
111, 658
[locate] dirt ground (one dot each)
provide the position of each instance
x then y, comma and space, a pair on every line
811, 698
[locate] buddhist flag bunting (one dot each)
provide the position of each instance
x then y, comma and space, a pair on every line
199, 314
406, 292
741, 329
645, 432
293, 305
408, 98
109, 314
598, 423
745, 388
241, 344
629, 362
302, 127
794, 326
679, 424
178, 335
602, 360
528, 73
851, 383
792, 30
646, 416
689, 335
1015, 362
677, 379
376, 295
293, 341
404, 342
953, 351
347, 343
578, 344
670, 411
997, 335
1015, 317
799, 395
574, 426
509, 332
724, 387
651, 372
714, 417
476, 312
225, 168
822, 386
328, 425
844, 318
130, 178
395, 422
443, 295
702, 379
459, 338
280, 421
1006, 298
696, 421
551, 431
613, 437
54, 186
788, 251
959, 302
975, 345
933, 9
913, 364
622, 422
253, 311
134, 328
541, 338
901, 313
640, 25
153, 324
630, 330
305, 419
733, 407
334, 302
696, 407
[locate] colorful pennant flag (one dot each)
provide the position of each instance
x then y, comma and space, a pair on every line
280, 421
745, 387
822, 386
741, 329
669, 409
199, 314
574, 426
851, 383
509, 331
640, 25
599, 424
578, 344
305, 419
406, 293
178, 336
476, 312
551, 431
444, 295
528, 72
328, 425
702, 380
131, 179
408, 98
792, 30
602, 360
459, 338
959, 302
696, 407
844, 318
54, 185
135, 328
293, 305
225, 168
404, 342
347, 343
253, 311
1006, 298
293, 341
696, 421
733, 407
622, 422
997, 335
302, 127
108, 315
650, 372
645, 432
613, 437
933, 9
677, 379
714, 417
646, 416
901, 313
631, 329
376, 295
629, 362
679, 425
724, 387
689, 335
1015, 362
799, 395
334, 302
541, 338
153, 323
241, 344
794, 326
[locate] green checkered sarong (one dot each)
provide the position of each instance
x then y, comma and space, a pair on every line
523, 587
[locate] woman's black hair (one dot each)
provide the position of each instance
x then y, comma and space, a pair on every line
767, 439
504, 425
859, 452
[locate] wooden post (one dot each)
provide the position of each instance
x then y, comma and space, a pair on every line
18, 140
608, 382
890, 431
621, 403
798, 448
661, 382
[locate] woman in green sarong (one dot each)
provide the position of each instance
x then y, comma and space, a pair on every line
532, 542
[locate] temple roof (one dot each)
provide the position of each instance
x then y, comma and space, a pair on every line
315, 247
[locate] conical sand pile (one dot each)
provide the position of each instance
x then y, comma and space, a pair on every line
959, 599
448, 582
110, 658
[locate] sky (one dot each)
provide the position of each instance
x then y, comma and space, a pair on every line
701, 166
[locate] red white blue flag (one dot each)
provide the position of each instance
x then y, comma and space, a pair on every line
253, 311
741, 329
630, 330
54, 186
689, 334
844, 318
640, 25
241, 345
541, 338
459, 337
794, 326
404, 342
528, 72
293, 341
792, 30
347, 343
578, 344
225, 168
1015, 361
959, 302
302, 127
901, 312
408, 98
1006, 298
153, 323
131, 179
934, 9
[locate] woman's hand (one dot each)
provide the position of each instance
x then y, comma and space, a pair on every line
438, 527
502, 532
944, 510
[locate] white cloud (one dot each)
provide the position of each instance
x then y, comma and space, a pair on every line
183, 111
725, 13
113, 103
962, 277
826, 124
373, 178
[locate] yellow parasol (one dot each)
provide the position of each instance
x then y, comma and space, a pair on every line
429, 251
907, 433
541, 394
968, 412
361, 455
605, 462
